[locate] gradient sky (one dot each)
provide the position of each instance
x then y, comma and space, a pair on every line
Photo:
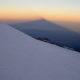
65, 10
54, 10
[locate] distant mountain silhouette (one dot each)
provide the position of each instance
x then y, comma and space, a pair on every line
55, 33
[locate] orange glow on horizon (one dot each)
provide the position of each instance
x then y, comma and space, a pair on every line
24, 15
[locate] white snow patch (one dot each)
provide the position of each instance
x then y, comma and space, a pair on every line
24, 58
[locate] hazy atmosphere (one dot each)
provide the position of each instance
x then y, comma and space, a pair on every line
39, 39
63, 12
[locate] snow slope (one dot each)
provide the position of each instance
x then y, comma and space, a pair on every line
24, 58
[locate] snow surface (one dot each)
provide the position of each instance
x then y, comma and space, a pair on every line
24, 58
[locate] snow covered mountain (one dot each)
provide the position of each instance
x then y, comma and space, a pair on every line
55, 33
24, 58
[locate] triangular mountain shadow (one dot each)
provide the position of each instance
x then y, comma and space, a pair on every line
55, 33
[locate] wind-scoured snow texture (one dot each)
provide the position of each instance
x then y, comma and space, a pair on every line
24, 58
